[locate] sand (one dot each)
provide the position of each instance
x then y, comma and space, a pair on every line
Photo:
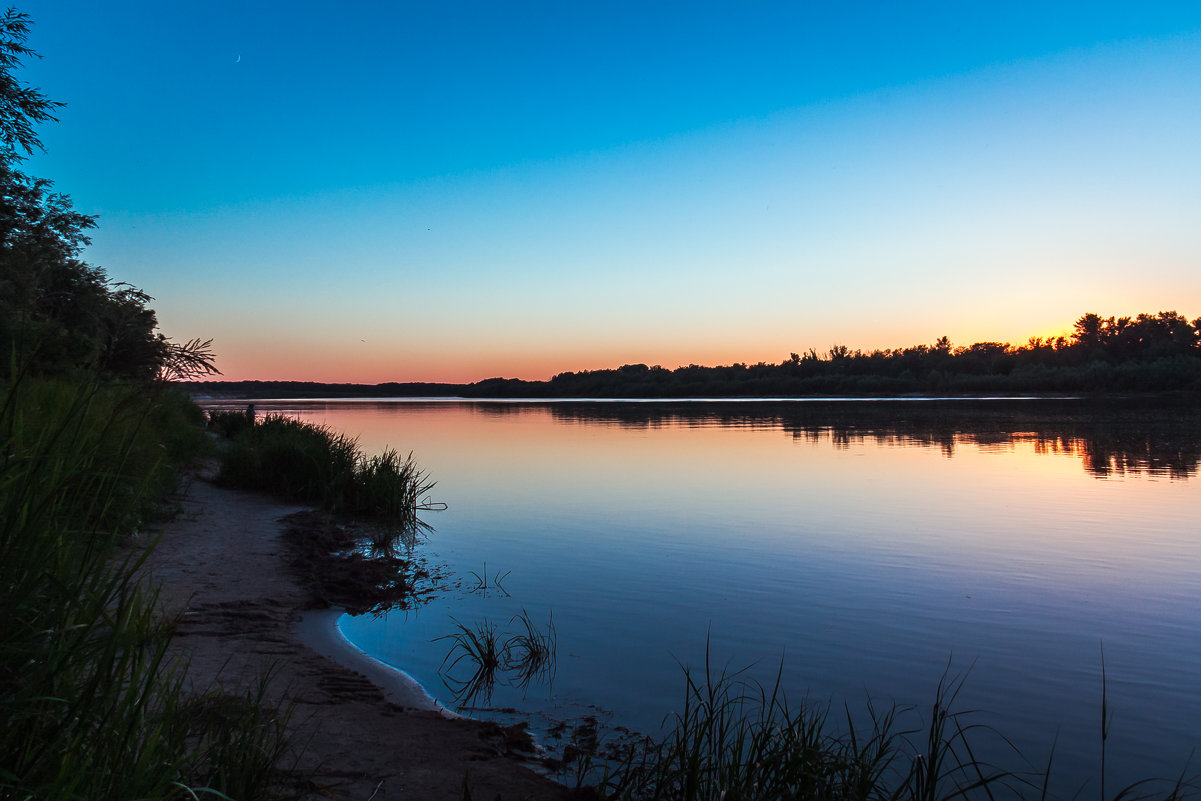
363, 730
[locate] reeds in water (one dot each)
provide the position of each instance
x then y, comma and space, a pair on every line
530, 653
737, 740
479, 647
482, 655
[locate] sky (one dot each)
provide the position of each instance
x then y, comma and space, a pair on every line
452, 191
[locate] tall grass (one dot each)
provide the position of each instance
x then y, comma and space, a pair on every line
314, 464
291, 458
92, 705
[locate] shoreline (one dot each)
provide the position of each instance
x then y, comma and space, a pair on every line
360, 729
318, 629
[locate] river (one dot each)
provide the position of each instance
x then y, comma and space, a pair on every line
857, 548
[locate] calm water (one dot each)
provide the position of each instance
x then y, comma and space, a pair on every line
867, 545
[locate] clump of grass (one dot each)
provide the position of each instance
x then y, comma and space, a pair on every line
314, 464
483, 649
531, 653
491, 655
391, 488
297, 460
732, 738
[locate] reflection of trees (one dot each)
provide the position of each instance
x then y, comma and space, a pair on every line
1112, 438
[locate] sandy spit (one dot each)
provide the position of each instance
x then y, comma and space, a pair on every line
363, 731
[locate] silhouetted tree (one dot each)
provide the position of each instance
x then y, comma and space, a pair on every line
59, 314
1087, 331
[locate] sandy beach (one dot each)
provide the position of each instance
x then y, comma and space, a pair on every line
360, 729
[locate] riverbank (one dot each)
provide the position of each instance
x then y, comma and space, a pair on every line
359, 731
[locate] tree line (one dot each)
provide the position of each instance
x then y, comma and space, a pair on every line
1158, 352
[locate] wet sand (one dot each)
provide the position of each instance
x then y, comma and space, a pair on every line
360, 729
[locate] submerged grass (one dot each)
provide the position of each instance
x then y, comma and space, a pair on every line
92, 705
314, 464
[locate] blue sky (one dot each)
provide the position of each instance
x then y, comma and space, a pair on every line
451, 191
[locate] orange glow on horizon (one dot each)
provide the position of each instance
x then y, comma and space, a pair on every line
462, 362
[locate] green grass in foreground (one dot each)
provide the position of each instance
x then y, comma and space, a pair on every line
92, 706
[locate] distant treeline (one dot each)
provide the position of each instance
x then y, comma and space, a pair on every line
1147, 353
314, 389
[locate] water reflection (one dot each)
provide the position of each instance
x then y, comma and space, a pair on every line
1112, 439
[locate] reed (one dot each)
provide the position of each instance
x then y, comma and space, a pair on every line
297, 460
229, 424
391, 487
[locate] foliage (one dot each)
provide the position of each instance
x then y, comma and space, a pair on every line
59, 315
20, 106
294, 459
229, 424
185, 361
93, 707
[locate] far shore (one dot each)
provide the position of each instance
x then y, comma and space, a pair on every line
360, 729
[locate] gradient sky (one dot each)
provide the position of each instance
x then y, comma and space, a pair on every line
451, 191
